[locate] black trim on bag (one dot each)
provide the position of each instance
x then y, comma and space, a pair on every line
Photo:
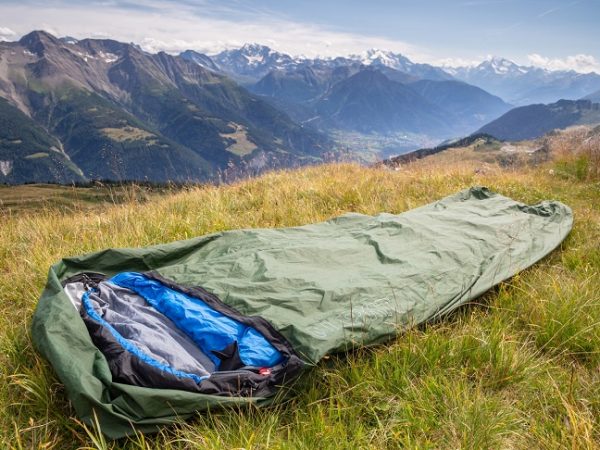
87, 278
127, 368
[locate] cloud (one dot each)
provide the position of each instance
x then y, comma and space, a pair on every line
458, 62
210, 26
557, 8
49, 28
292, 38
579, 63
7, 34
548, 11
201, 25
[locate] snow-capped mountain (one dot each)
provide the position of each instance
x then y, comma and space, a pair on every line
523, 85
502, 66
397, 61
253, 61
383, 58
492, 67
514, 83
69, 40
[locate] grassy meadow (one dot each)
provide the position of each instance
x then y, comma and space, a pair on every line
517, 369
34, 198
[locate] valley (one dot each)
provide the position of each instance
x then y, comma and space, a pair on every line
74, 111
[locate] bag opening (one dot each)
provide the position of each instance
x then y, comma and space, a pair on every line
155, 333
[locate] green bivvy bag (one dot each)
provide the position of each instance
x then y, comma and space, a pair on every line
143, 337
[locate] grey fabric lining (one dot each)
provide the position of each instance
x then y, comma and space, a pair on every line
149, 330
74, 291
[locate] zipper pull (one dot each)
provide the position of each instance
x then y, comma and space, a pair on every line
88, 283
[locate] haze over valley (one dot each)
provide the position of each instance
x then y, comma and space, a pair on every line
74, 110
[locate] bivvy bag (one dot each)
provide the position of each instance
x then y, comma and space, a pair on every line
148, 336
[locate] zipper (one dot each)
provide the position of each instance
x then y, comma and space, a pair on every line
88, 283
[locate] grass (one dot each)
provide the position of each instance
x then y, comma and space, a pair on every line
577, 153
517, 369
240, 145
33, 198
128, 133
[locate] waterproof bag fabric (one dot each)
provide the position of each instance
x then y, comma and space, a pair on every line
147, 336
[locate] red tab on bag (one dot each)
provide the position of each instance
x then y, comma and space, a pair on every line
264, 371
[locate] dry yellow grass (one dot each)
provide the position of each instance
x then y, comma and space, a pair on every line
577, 151
242, 145
127, 133
33, 198
518, 370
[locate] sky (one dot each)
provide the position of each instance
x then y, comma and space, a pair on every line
555, 34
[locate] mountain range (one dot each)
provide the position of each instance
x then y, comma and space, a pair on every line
522, 85
366, 96
337, 93
103, 109
78, 110
515, 84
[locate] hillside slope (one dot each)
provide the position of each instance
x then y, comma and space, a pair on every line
516, 369
594, 97
471, 105
121, 113
378, 99
368, 102
528, 122
29, 153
